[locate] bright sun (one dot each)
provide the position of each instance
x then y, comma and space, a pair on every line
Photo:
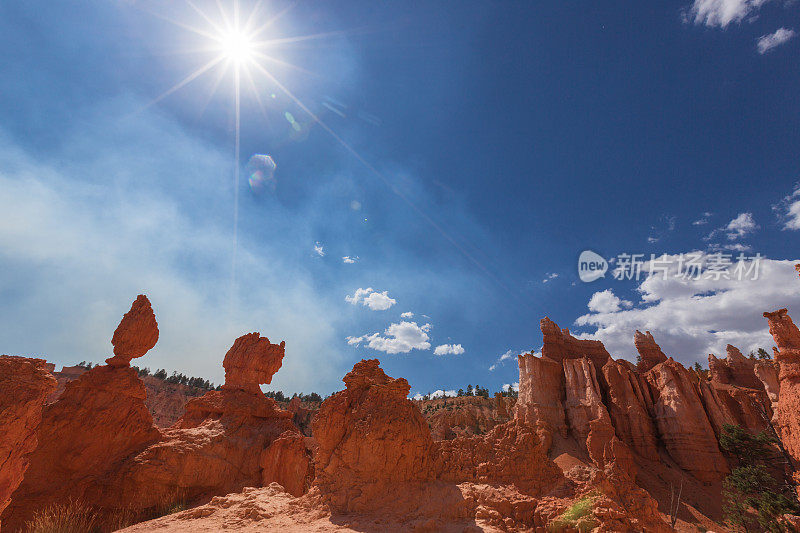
237, 47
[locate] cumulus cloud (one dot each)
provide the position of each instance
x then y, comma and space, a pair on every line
691, 317
407, 314
721, 13
788, 210
445, 349
767, 42
377, 301
511, 386
397, 338
607, 302
349, 260
319, 249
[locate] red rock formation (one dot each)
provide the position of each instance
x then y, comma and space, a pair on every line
540, 403
787, 357
559, 345
584, 402
226, 440
24, 386
464, 416
369, 437
136, 334
735, 369
682, 422
649, 352
767, 373
627, 406
252, 361
510, 454
99, 421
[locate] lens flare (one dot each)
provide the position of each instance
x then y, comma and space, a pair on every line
261, 168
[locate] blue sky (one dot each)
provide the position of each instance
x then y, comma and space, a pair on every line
486, 147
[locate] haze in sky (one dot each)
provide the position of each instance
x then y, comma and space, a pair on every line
408, 181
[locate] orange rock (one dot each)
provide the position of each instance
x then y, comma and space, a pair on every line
252, 361
369, 436
226, 440
628, 408
735, 369
682, 422
99, 421
540, 403
136, 334
649, 352
787, 357
24, 386
558, 345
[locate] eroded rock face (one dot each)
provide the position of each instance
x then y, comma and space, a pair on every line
226, 440
24, 386
559, 344
252, 361
369, 437
136, 334
650, 353
627, 402
540, 403
98, 422
683, 423
787, 357
735, 369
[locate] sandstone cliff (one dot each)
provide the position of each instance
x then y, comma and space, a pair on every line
24, 385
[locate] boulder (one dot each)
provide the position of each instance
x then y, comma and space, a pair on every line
136, 334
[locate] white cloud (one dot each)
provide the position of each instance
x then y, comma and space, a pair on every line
703, 220
513, 386
550, 276
720, 13
445, 349
652, 240
507, 356
739, 227
377, 301
318, 249
438, 394
397, 338
691, 318
731, 247
407, 314
769, 41
349, 260
606, 302
788, 210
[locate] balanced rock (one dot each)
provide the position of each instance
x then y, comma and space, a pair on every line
136, 334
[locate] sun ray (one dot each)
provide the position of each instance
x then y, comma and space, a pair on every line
274, 19
220, 75
179, 24
217, 28
287, 64
205, 68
